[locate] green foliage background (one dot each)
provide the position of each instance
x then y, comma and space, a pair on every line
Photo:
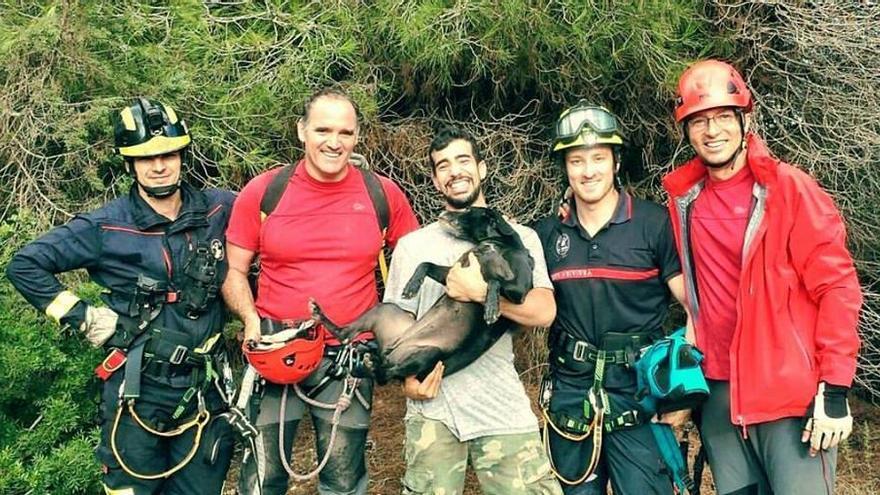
239, 71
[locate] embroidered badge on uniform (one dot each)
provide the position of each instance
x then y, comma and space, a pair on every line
563, 244
217, 249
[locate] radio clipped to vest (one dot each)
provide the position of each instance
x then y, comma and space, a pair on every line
202, 282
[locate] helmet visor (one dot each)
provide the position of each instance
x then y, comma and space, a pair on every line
570, 125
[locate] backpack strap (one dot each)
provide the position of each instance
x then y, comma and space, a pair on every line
377, 197
273, 193
380, 205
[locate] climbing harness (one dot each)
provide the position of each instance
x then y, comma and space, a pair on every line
595, 428
199, 421
346, 360
348, 365
622, 349
203, 374
349, 389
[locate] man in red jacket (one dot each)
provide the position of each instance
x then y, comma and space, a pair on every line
773, 293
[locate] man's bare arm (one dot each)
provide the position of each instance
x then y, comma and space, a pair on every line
676, 286
237, 292
537, 310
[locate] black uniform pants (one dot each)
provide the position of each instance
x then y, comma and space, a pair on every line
629, 459
145, 453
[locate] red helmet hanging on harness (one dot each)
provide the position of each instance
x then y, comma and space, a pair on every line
289, 356
710, 84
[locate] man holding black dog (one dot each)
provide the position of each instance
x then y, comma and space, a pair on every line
481, 412
613, 263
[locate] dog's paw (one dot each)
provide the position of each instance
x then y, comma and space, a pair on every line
411, 289
317, 313
491, 314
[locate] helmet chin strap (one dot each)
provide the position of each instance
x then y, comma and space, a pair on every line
160, 192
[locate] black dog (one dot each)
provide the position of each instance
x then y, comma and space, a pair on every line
454, 332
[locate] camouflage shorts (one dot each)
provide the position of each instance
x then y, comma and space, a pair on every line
436, 462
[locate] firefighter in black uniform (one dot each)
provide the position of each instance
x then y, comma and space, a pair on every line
159, 255
613, 264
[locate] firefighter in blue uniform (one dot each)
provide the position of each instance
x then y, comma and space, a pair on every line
159, 255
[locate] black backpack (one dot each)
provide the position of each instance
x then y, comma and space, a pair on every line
278, 186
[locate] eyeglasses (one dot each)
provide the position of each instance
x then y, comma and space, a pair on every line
570, 125
724, 119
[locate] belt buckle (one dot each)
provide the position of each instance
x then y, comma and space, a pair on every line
579, 351
178, 355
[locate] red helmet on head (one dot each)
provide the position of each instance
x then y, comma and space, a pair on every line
710, 84
289, 356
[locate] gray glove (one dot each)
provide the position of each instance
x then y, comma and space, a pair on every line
99, 325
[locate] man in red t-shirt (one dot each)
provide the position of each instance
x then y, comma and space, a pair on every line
321, 241
773, 293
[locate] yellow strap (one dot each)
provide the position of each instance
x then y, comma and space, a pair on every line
118, 491
383, 265
595, 430
199, 422
208, 345
61, 305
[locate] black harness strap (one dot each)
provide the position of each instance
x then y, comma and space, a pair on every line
133, 363
377, 196
275, 191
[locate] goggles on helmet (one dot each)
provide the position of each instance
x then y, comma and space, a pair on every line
581, 120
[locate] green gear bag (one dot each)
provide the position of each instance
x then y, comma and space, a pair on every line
669, 377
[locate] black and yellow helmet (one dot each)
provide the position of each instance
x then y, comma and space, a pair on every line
586, 125
148, 128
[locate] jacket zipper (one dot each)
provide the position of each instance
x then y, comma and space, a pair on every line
683, 206
751, 233
803, 349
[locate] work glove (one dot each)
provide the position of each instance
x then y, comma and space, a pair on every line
829, 420
99, 325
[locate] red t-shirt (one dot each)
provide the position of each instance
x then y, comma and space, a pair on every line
718, 222
321, 242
